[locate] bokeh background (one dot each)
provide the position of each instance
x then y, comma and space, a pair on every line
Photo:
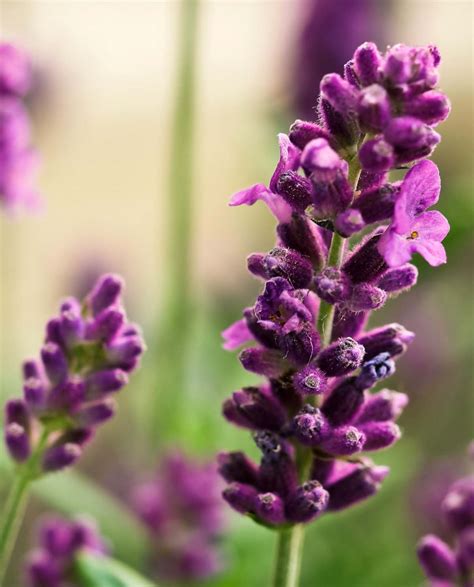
102, 107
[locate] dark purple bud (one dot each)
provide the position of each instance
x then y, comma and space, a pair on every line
382, 406
53, 332
291, 265
71, 327
465, 550
17, 412
79, 436
347, 323
307, 502
458, 505
304, 236
270, 508
376, 155
350, 74
31, 368
403, 156
300, 341
263, 361
379, 435
43, 570
321, 161
366, 263
322, 469
344, 129
343, 402
123, 351
374, 108
340, 94
58, 457
430, 107
392, 339
284, 390
259, 407
397, 67
366, 296
104, 382
96, 414
436, 558
374, 370
310, 381
332, 285
278, 473
233, 414
378, 203
407, 132
369, 180
295, 190
368, 63
17, 442
34, 391
341, 357
255, 265
106, 325
349, 222
330, 198
302, 132
68, 394
310, 426
355, 487
55, 362
240, 497
343, 441
105, 293
236, 466
399, 279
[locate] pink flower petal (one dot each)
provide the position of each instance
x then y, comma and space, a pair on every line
289, 159
394, 248
236, 335
432, 251
278, 207
431, 225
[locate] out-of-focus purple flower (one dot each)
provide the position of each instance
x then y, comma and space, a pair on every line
329, 31
18, 160
439, 561
89, 351
52, 563
182, 510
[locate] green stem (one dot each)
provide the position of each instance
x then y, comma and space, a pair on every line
15, 505
177, 311
288, 556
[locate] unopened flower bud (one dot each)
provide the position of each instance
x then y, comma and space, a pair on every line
343, 441
101, 383
341, 357
105, 293
302, 132
355, 487
96, 414
61, 456
430, 107
310, 426
332, 285
295, 190
374, 108
376, 155
343, 402
407, 132
263, 361
366, 263
392, 339
379, 367
378, 203
307, 502
339, 93
17, 442
236, 466
349, 222
241, 497
436, 558
398, 279
458, 505
270, 508
54, 361
368, 63
290, 264
310, 381
366, 296
382, 406
379, 435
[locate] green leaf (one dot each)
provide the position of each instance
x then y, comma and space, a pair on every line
99, 571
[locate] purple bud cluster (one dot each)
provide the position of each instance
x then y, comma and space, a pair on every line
52, 563
317, 407
182, 511
89, 351
18, 160
443, 565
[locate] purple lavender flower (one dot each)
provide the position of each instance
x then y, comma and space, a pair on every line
52, 563
18, 160
182, 510
89, 351
440, 562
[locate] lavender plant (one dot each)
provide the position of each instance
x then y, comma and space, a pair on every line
89, 351
181, 508
316, 415
445, 566
18, 160
54, 562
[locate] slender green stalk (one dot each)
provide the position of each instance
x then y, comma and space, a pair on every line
288, 556
15, 505
174, 328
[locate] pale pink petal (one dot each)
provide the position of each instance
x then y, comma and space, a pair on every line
278, 207
394, 248
248, 196
432, 251
289, 159
431, 225
236, 335
420, 190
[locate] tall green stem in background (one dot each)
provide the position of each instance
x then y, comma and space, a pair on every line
289, 552
171, 356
